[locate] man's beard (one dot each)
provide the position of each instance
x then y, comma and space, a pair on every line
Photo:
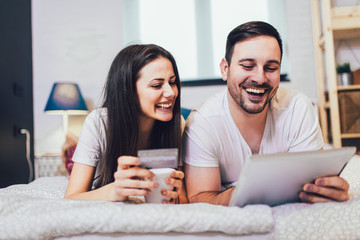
240, 100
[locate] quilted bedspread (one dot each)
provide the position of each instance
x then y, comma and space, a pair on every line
38, 211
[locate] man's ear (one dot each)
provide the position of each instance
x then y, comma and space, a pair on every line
224, 68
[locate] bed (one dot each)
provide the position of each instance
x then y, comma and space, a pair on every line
38, 211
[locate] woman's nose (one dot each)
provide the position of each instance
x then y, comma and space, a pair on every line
169, 91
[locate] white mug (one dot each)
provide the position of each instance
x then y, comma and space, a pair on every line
155, 195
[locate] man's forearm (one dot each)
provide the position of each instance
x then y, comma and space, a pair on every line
213, 197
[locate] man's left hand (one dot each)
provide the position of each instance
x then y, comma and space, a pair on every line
325, 189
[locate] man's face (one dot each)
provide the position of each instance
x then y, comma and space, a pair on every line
253, 76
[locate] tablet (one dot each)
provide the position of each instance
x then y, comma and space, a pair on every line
275, 179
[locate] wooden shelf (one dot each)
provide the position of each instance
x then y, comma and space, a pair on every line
345, 18
346, 22
349, 88
329, 24
350, 135
346, 34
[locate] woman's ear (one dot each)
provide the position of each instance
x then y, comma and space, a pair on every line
224, 68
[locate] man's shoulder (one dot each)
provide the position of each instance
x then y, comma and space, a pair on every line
287, 98
213, 106
210, 114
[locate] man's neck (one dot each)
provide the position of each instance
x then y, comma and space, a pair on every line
251, 126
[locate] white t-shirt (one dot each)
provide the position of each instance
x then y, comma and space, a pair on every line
92, 140
211, 138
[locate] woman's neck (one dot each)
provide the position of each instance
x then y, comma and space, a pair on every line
146, 126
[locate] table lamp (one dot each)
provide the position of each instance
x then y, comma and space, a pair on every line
66, 99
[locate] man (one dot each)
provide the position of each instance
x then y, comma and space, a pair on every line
253, 116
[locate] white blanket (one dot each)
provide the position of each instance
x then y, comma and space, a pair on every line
330, 220
37, 211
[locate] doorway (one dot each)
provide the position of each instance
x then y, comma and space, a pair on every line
16, 92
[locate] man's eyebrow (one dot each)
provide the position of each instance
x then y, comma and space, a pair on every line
253, 60
246, 60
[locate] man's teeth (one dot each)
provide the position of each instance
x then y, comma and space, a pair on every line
164, 105
253, 90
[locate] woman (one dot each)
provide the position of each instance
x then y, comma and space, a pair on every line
141, 110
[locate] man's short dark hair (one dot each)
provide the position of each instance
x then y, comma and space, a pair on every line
250, 30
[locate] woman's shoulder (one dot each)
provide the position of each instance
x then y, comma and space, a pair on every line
97, 117
98, 112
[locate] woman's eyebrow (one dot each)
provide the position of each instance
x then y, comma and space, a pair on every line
162, 79
157, 79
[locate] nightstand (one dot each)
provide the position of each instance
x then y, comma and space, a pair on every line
49, 165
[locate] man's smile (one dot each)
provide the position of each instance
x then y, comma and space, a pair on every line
257, 91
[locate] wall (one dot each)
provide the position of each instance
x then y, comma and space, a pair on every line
76, 41
73, 41
301, 49
301, 62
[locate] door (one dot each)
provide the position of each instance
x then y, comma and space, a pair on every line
16, 100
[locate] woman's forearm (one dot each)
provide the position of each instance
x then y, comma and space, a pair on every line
106, 193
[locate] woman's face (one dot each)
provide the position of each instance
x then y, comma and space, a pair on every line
157, 90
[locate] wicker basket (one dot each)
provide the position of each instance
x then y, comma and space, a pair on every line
49, 166
349, 104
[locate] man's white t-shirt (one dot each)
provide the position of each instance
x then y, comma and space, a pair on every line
211, 138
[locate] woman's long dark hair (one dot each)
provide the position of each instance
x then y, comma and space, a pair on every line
123, 109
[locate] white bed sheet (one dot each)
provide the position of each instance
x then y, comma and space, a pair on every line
24, 208
38, 211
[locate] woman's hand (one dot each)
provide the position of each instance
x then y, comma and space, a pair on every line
174, 180
131, 180
326, 189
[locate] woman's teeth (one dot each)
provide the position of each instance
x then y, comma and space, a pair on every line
164, 105
253, 90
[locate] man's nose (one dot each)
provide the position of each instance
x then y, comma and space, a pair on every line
260, 76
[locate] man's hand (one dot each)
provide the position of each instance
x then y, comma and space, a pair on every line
325, 189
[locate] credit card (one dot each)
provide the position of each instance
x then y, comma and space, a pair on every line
159, 158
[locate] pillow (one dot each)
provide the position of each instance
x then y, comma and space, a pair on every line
69, 162
185, 112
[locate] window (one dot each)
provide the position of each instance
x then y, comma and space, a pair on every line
195, 31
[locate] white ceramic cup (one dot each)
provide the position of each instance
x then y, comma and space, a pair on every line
160, 174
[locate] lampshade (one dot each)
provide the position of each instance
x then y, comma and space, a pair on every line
66, 97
